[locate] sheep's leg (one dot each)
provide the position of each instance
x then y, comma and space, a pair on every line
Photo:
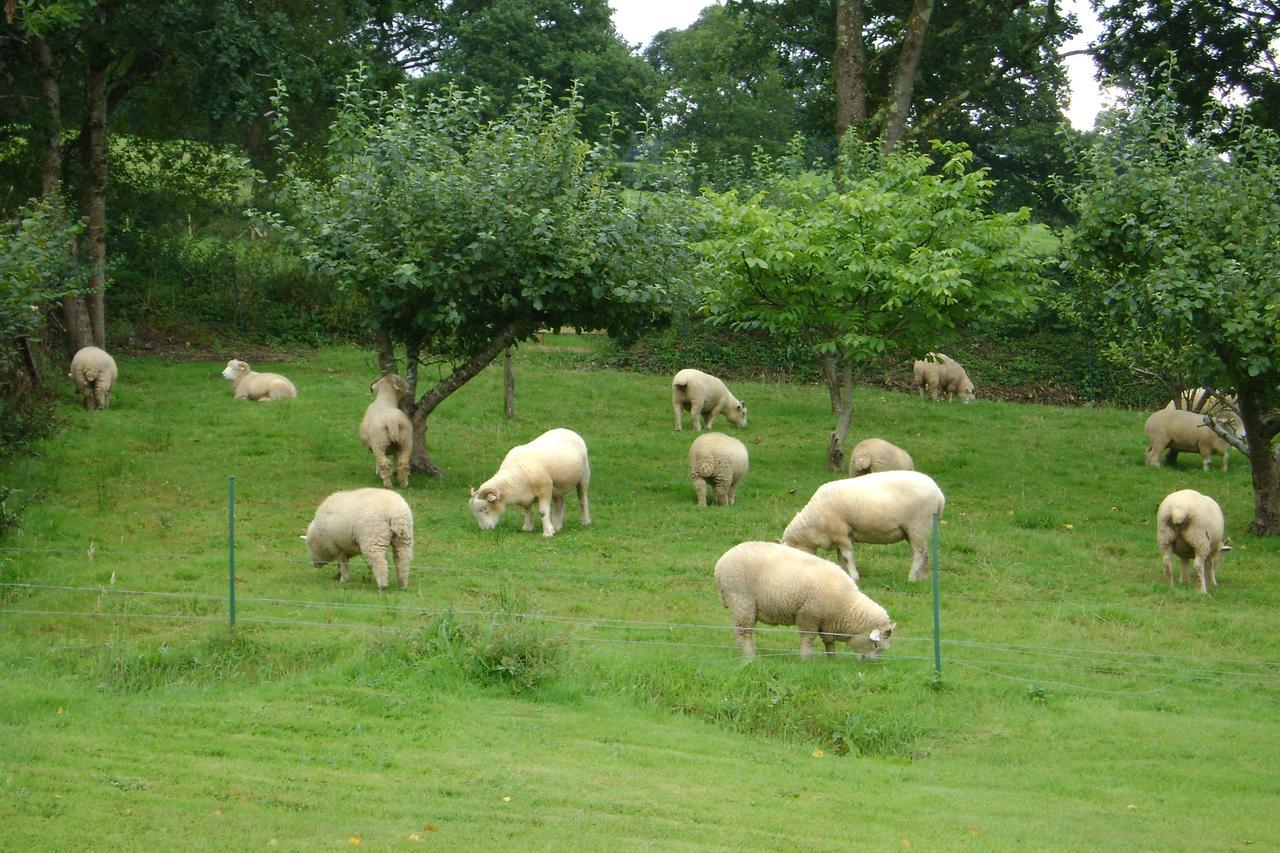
375, 554
557, 512
711, 419
806, 644
402, 465
1153, 454
343, 573
544, 510
919, 556
675, 404
829, 643
403, 550
528, 519
584, 498
100, 396
88, 398
1211, 566
1201, 574
1206, 459
1225, 454
1182, 570
845, 547
746, 640
722, 491
700, 489
733, 493
383, 467
1168, 567
695, 409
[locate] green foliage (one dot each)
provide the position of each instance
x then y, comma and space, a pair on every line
457, 230
36, 269
744, 354
902, 254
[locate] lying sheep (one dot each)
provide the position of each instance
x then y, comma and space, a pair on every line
941, 374
880, 508
386, 429
542, 471
94, 372
363, 521
777, 585
703, 395
1220, 407
1183, 432
720, 460
1191, 525
874, 454
262, 387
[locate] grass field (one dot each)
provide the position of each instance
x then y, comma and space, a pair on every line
585, 691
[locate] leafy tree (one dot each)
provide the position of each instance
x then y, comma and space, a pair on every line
465, 235
1224, 48
906, 251
1175, 256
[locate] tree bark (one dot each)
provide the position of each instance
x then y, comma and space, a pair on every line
1261, 433
508, 385
420, 460
385, 352
895, 126
831, 376
849, 66
835, 448
97, 199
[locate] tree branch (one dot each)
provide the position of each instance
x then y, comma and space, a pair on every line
1227, 435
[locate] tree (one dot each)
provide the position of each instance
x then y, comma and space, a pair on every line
1224, 48
1174, 257
464, 236
903, 253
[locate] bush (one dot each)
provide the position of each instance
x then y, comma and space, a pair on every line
719, 350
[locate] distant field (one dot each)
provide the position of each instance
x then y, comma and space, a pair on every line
585, 691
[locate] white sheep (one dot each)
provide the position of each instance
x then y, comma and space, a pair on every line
778, 585
542, 472
386, 429
720, 460
93, 371
703, 395
263, 387
1220, 407
1183, 432
1191, 525
879, 508
875, 454
939, 374
363, 521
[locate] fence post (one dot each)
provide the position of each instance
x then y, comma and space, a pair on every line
231, 553
937, 625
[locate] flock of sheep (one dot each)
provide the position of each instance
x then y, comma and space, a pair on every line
884, 500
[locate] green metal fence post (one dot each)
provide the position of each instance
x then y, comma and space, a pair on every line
231, 553
937, 624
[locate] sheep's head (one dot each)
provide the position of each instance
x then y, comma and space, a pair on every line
235, 369
487, 506
319, 554
737, 415
876, 641
392, 381
966, 391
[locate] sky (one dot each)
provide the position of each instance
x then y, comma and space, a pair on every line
638, 20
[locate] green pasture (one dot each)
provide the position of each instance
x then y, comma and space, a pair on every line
584, 692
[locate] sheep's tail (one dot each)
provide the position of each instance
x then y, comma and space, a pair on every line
91, 373
1178, 516
861, 462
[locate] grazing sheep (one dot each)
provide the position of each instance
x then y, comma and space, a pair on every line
263, 387
941, 374
363, 521
777, 585
874, 454
720, 460
880, 508
385, 429
703, 395
1191, 525
542, 471
1220, 407
94, 372
1183, 432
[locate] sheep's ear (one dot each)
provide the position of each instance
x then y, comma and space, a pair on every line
303, 537
473, 491
493, 497
875, 635
1226, 546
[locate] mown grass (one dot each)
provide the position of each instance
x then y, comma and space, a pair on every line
592, 678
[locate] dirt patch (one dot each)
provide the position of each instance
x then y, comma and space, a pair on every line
181, 342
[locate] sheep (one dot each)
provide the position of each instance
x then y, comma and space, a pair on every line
363, 521
263, 387
879, 508
703, 395
541, 472
1219, 406
93, 371
939, 374
1186, 432
720, 460
385, 428
779, 585
1190, 524
874, 454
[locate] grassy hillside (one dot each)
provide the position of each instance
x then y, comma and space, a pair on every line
585, 690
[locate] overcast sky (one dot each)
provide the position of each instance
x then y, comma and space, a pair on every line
638, 20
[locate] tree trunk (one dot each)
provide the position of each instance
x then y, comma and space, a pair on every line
895, 126
831, 376
508, 385
849, 67
386, 353
97, 200
835, 448
420, 460
1261, 432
